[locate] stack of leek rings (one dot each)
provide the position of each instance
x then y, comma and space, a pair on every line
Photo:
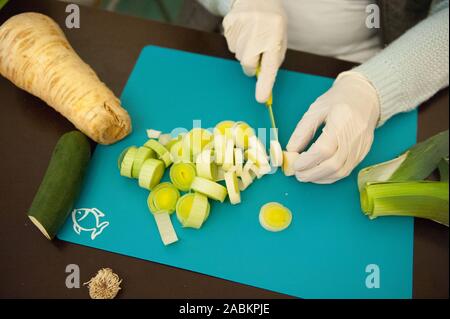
203, 165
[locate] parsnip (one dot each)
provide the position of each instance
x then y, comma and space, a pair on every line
36, 56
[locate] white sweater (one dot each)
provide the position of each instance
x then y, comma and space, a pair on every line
405, 74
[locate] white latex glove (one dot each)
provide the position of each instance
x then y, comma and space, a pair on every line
350, 111
256, 31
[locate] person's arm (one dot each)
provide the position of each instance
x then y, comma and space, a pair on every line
398, 79
414, 67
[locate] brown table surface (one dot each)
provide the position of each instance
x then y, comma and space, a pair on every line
32, 267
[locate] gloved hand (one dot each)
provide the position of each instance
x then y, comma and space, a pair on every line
256, 31
350, 111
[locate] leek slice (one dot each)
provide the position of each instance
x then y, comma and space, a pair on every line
255, 143
231, 182
163, 198
121, 156
228, 161
160, 150
245, 179
153, 134
209, 188
164, 139
184, 206
289, 159
205, 165
199, 212
182, 175
238, 160
225, 129
172, 142
276, 154
197, 140
220, 174
126, 166
257, 169
143, 153
254, 171
219, 148
258, 157
178, 153
165, 228
250, 168
193, 210
151, 173
242, 133
275, 217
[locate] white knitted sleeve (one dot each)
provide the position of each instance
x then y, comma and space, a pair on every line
414, 67
217, 7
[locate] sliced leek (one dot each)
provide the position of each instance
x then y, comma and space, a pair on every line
126, 165
258, 157
220, 174
255, 143
225, 129
276, 154
151, 173
160, 150
238, 160
219, 148
193, 210
228, 161
163, 198
172, 142
199, 211
121, 156
289, 159
164, 139
182, 175
178, 153
205, 165
154, 134
184, 206
143, 153
165, 228
242, 133
231, 181
209, 188
275, 217
256, 170
245, 179
197, 140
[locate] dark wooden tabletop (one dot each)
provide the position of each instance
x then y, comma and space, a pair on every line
32, 267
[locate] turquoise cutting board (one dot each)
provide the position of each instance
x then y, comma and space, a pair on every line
330, 243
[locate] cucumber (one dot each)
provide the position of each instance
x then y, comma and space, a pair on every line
61, 184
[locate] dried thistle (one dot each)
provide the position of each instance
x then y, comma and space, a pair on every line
105, 284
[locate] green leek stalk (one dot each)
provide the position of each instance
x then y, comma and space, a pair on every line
417, 198
397, 187
443, 169
415, 164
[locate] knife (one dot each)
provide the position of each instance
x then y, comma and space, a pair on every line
269, 104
